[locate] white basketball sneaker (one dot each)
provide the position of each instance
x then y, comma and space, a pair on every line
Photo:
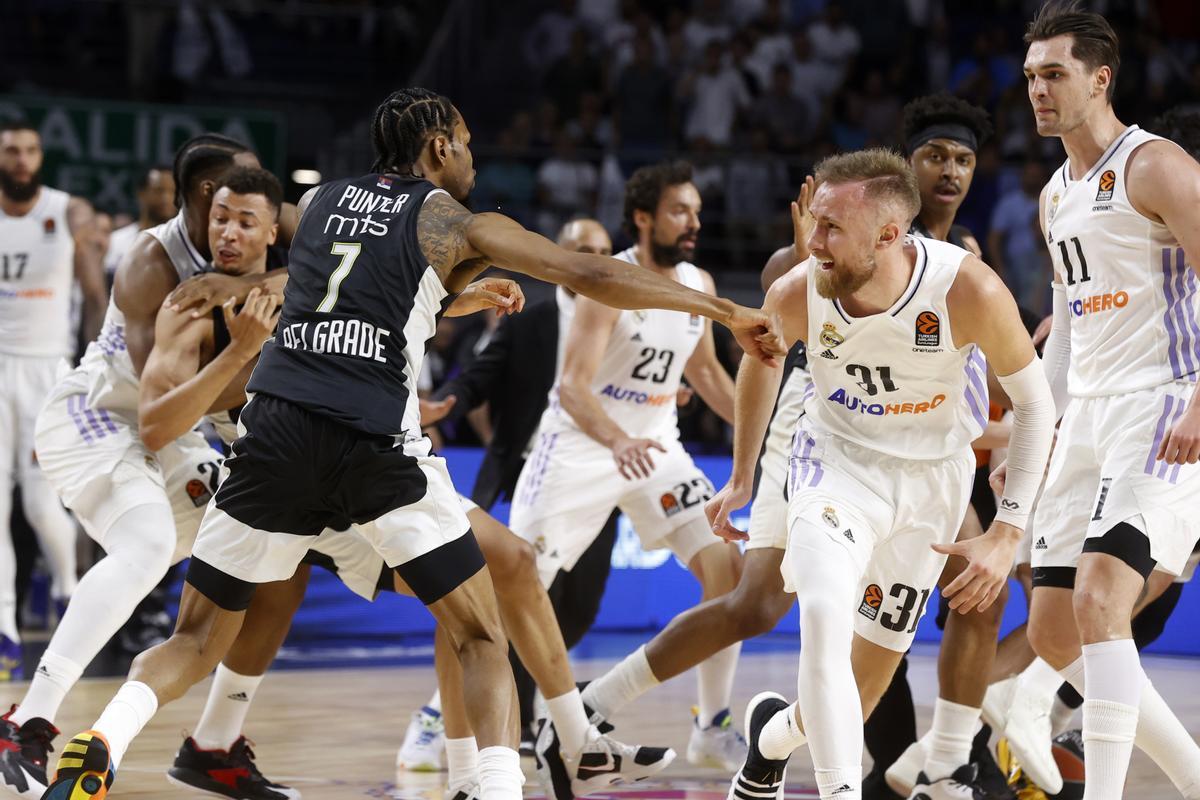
719, 745
424, 748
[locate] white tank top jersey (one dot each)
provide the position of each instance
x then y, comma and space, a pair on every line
112, 382
1131, 295
895, 382
37, 272
639, 376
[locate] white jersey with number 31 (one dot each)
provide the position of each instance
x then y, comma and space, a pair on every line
896, 382
1131, 296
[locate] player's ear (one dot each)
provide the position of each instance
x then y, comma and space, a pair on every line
441, 148
1101, 79
888, 234
274, 234
642, 218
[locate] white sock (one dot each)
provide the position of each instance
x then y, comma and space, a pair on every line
572, 724
54, 677
462, 762
1113, 677
843, 783
500, 776
781, 735
1160, 734
621, 685
225, 711
949, 743
125, 716
8, 565
714, 679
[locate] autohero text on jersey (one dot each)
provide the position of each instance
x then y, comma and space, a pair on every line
347, 337
362, 204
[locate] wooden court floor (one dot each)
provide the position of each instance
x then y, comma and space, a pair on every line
334, 733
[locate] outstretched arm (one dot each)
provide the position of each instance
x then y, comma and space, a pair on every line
450, 235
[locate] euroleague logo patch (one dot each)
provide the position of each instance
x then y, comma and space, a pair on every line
198, 491
872, 600
670, 505
1108, 182
929, 330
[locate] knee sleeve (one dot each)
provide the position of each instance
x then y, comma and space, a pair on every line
1127, 543
142, 540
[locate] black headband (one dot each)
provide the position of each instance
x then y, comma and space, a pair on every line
944, 130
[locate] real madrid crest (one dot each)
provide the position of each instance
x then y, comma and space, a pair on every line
829, 335
830, 517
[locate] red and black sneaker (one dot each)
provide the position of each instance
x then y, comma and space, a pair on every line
24, 751
229, 773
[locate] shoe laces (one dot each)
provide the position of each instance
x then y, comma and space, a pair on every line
37, 742
242, 755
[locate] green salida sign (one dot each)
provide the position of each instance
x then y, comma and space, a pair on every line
95, 149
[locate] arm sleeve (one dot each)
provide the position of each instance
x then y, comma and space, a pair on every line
1029, 445
1056, 355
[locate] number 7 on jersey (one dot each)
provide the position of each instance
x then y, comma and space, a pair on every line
349, 252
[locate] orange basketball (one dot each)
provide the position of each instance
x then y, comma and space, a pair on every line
928, 322
874, 596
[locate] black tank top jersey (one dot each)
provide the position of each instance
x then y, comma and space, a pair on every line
360, 304
221, 340
956, 237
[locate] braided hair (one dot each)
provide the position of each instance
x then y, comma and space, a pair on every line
404, 122
198, 157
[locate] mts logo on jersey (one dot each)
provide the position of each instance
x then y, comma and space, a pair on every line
1098, 303
363, 203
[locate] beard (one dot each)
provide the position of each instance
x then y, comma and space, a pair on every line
668, 255
20, 192
835, 284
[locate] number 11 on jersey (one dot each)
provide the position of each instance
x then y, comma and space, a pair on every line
349, 252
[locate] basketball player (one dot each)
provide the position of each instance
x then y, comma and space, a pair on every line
612, 407
156, 205
514, 375
1120, 222
942, 135
141, 506
334, 401
188, 373
44, 238
881, 467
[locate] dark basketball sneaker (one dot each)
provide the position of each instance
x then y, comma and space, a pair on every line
85, 770
959, 785
991, 779
602, 762
231, 773
760, 778
24, 751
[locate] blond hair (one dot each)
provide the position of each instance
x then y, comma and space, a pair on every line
886, 177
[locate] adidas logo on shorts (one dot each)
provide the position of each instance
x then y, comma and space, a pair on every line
848, 534
1041, 544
